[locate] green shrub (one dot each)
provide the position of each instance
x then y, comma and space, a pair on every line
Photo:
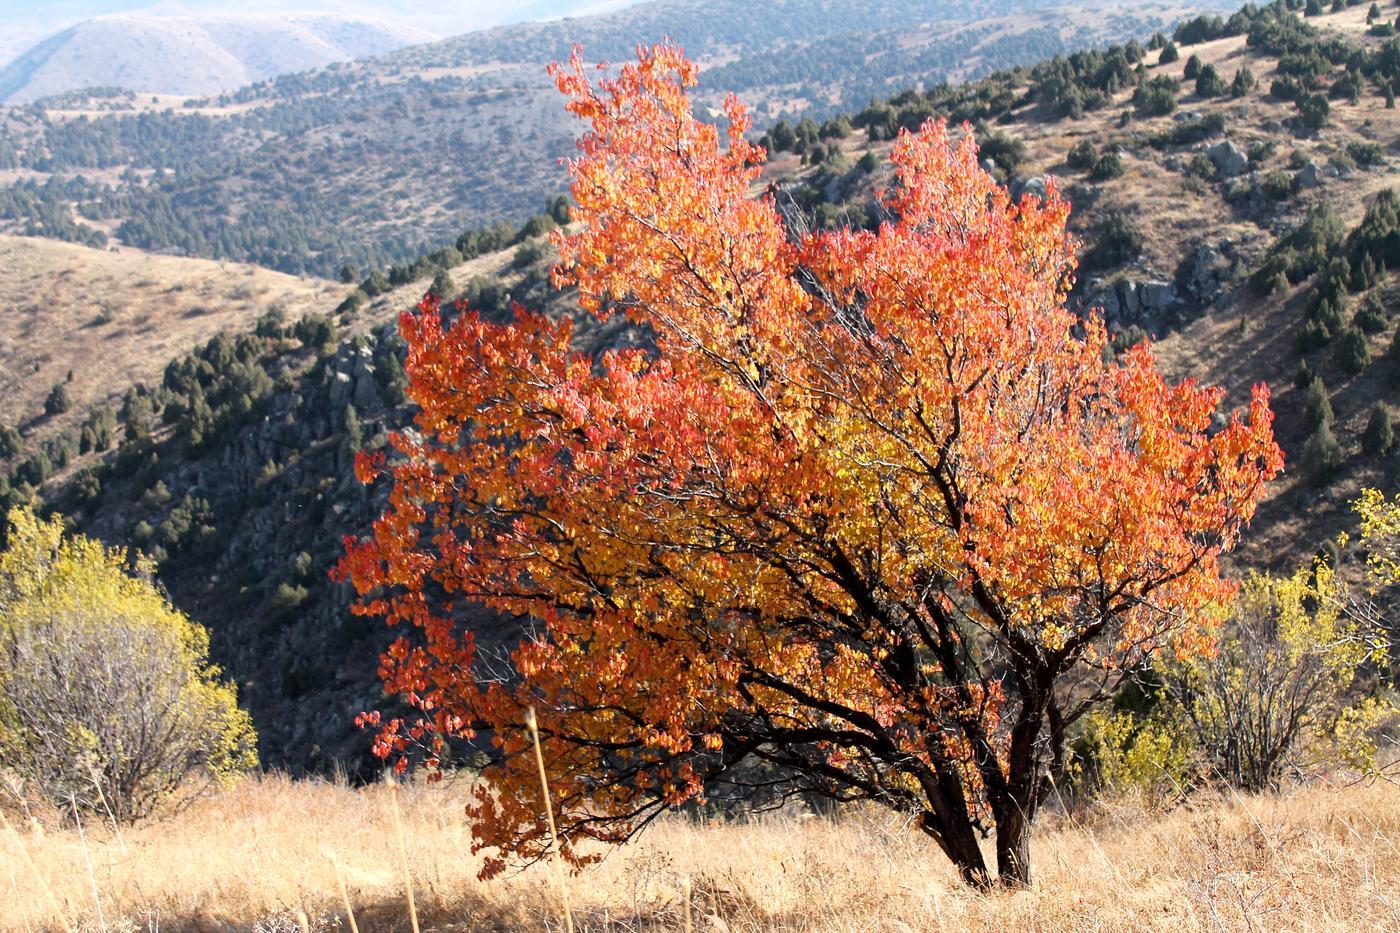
1193, 68
1209, 83
1279, 186
58, 400
443, 286
1082, 155
1366, 154
1321, 455
1117, 240
1243, 83
1317, 407
1156, 98
317, 332
1314, 111
1304, 376
1379, 435
1372, 317
1169, 54
1350, 352
527, 254
11, 442
1107, 166
287, 599
1200, 166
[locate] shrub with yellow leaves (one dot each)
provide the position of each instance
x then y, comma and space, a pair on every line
108, 701
1300, 678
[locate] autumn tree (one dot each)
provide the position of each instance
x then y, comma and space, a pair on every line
871, 516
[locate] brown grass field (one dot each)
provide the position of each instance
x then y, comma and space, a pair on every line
272, 851
115, 317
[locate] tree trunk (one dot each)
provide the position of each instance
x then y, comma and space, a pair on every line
1014, 848
959, 843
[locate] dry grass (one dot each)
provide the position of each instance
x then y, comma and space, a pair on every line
1318, 858
114, 318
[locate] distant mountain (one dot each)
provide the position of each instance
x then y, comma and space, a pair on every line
383, 159
193, 56
25, 22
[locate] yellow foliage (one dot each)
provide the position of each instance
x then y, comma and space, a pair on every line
107, 695
1288, 684
1149, 755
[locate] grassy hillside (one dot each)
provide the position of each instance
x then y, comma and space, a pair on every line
113, 319
233, 467
258, 856
378, 161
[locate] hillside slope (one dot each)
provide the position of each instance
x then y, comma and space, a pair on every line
374, 162
193, 56
113, 319
234, 470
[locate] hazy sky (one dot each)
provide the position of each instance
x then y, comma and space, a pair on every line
24, 22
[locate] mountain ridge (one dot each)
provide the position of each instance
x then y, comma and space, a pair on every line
192, 56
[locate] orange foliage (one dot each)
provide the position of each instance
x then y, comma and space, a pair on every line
874, 516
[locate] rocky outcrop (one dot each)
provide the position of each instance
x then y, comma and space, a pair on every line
1149, 304
1229, 160
1206, 271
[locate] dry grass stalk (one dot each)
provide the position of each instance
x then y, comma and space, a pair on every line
344, 892
87, 859
533, 724
403, 851
60, 918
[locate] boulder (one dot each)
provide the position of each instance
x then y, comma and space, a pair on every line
366, 391
1229, 159
1129, 299
1107, 301
1309, 176
1035, 186
1157, 296
1202, 273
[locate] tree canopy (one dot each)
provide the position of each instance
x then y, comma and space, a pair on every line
872, 516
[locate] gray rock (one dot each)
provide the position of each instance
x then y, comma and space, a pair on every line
366, 391
340, 389
1107, 301
1157, 296
1229, 159
1129, 299
1308, 176
1035, 186
1201, 274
